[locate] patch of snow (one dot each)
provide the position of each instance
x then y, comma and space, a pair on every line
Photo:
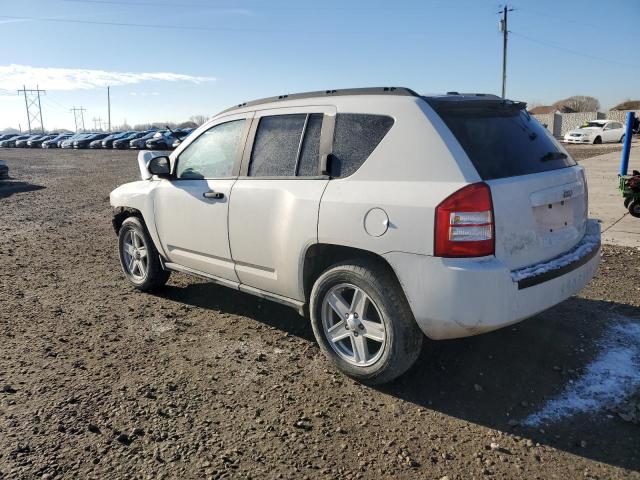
609, 379
585, 247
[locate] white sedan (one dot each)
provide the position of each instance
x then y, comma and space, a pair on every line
596, 131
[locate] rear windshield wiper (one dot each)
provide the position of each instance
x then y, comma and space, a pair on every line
553, 156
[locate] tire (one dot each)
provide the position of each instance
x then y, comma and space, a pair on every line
597, 141
390, 341
634, 208
622, 139
142, 266
627, 201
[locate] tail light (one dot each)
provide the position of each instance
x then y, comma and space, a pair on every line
464, 223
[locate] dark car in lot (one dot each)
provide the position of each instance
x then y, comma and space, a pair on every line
37, 142
24, 142
140, 142
4, 170
165, 140
108, 141
123, 142
178, 141
8, 136
68, 143
85, 141
55, 141
11, 142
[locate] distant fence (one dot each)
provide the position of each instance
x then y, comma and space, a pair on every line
560, 123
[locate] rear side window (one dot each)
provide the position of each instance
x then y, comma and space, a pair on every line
286, 146
355, 137
502, 140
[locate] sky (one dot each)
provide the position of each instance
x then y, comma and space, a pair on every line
167, 60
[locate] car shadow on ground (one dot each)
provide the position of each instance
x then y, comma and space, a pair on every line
497, 379
9, 187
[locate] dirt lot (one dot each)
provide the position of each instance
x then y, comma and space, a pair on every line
198, 381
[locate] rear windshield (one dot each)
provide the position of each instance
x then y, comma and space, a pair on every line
502, 140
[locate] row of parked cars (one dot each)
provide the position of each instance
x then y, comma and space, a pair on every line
149, 139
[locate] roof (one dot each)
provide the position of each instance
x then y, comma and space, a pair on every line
385, 91
399, 91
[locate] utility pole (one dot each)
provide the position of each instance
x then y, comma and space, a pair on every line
33, 106
109, 108
505, 33
78, 114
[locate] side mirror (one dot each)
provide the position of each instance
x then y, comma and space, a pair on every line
159, 166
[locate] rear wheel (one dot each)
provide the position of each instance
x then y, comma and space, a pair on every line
634, 208
363, 323
597, 141
622, 139
138, 256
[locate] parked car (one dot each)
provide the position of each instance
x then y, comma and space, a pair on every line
24, 142
123, 141
140, 142
86, 140
4, 170
165, 140
55, 141
37, 143
178, 141
8, 136
597, 131
68, 143
383, 214
11, 142
107, 142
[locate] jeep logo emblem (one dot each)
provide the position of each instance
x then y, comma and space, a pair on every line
567, 193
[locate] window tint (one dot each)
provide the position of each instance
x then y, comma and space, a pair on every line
502, 140
213, 153
308, 164
355, 137
275, 148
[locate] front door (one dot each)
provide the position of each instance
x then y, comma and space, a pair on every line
191, 209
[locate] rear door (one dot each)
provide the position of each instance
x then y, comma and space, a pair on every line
273, 215
538, 191
191, 209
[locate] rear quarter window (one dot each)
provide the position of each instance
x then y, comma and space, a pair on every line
501, 140
355, 136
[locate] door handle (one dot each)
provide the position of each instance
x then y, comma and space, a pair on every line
212, 194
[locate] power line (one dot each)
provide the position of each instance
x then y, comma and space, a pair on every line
575, 52
78, 114
505, 34
33, 106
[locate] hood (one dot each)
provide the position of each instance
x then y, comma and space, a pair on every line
585, 130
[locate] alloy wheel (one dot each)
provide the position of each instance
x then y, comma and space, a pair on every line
353, 325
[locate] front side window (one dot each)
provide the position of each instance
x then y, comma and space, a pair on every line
212, 154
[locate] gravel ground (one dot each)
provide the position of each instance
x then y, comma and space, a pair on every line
100, 381
580, 152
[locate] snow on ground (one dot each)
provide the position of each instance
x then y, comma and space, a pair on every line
611, 377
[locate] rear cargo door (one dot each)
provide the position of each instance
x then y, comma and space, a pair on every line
539, 193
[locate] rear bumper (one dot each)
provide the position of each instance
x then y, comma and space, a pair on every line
453, 298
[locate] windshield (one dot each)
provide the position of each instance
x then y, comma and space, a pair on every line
592, 125
502, 140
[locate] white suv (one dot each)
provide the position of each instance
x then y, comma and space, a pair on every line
382, 214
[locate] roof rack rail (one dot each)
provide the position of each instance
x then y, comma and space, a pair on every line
401, 91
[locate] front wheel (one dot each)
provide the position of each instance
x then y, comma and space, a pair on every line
634, 208
138, 256
622, 139
597, 141
363, 323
